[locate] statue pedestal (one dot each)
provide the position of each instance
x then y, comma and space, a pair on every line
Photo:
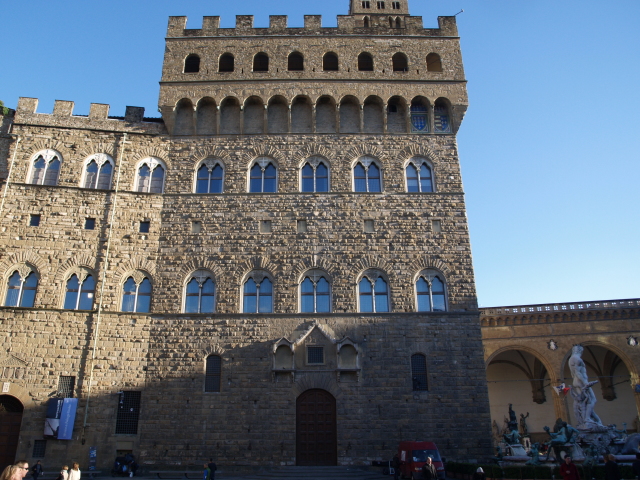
517, 450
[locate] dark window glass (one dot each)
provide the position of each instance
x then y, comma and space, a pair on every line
399, 61
261, 62
104, 178
258, 297
200, 297
227, 63
128, 413
157, 180
209, 181
365, 62
39, 448
213, 373
34, 220
330, 62
315, 355
295, 62
315, 179
192, 64
53, 169
263, 180
144, 227
89, 223
419, 372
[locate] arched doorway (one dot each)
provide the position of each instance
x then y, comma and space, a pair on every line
316, 431
10, 419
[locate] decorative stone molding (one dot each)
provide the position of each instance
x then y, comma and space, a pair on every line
76, 262
136, 263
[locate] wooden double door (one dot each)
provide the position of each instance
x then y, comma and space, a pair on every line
316, 431
10, 420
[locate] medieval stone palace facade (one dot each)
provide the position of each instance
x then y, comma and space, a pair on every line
276, 272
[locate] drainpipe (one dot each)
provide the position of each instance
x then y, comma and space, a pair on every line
102, 283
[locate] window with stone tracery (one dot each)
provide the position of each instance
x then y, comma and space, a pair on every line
80, 292
373, 293
315, 293
45, 168
315, 176
431, 293
136, 294
257, 294
419, 178
21, 288
210, 177
367, 176
98, 171
263, 176
200, 293
150, 178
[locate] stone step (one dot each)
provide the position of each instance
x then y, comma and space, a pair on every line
318, 473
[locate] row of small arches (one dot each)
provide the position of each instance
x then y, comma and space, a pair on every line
199, 291
254, 116
209, 175
330, 62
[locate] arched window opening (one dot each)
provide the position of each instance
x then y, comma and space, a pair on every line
419, 116
98, 172
210, 177
419, 372
206, 117
396, 115
366, 176
419, 176
301, 115
366, 22
295, 62
434, 64
315, 176
325, 115
365, 62
430, 290
150, 176
184, 118
213, 374
136, 296
200, 293
349, 115
230, 116
21, 289
258, 295
80, 293
192, 63
330, 62
400, 62
226, 63
263, 177
374, 295
261, 62
277, 115
442, 123
46, 168
398, 21
315, 293
373, 116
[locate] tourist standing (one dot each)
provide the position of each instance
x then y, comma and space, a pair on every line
479, 474
395, 463
213, 467
569, 470
74, 473
429, 470
22, 470
611, 470
36, 470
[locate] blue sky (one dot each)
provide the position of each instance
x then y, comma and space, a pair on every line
549, 148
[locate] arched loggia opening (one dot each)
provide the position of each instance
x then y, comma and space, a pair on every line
10, 419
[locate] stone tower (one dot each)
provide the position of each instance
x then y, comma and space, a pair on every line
276, 272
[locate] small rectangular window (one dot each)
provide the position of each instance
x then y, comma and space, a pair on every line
196, 226
66, 386
34, 220
366, 4
144, 226
39, 448
302, 226
265, 226
381, 5
436, 226
395, 5
89, 223
128, 413
315, 355
369, 226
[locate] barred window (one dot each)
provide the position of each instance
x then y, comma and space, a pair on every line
66, 386
128, 413
315, 355
419, 372
39, 448
213, 373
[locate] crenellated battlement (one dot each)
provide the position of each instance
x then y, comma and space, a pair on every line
98, 118
347, 25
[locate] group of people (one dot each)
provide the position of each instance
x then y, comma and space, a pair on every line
20, 469
209, 472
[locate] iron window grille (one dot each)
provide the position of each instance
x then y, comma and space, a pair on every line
66, 386
39, 448
213, 373
315, 355
128, 413
419, 372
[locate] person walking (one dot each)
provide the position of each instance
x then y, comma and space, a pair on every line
611, 470
212, 467
64, 473
36, 470
206, 474
479, 475
429, 470
395, 463
568, 470
74, 473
